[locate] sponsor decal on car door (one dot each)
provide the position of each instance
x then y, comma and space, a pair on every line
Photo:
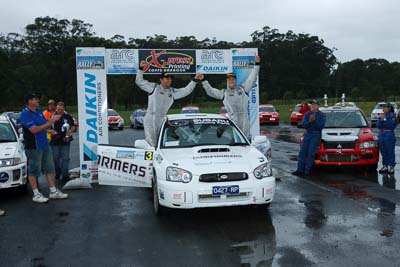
125, 166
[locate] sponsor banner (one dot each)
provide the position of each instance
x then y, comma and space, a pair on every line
168, 60
92, 107
214, 61
243, 61
122, 61
125, 166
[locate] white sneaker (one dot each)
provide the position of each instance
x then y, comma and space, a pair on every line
390, 170
39, 198
58, 195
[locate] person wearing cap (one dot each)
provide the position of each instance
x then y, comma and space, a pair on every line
313, 122
51, 108
235, 97
160, 98
386, 124
37, 148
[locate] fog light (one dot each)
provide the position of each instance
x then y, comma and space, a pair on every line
16, 175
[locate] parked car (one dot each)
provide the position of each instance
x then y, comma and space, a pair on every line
268, 114
295, 115
377, 111
347, 139
190, 109
14, 117
114, 120
13, 162
137, 118
202, 160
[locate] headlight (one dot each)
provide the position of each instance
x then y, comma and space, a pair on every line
263, 171
269, 154
178, 175
369, 144
9, 162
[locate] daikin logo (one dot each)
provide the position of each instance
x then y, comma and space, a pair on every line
91, 115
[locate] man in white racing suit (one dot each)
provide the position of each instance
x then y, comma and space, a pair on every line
160, 99
235, 98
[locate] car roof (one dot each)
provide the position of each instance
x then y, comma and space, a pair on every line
339, 108
191, 107
194, 116
3, 118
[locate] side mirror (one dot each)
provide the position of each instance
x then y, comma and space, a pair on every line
141, 143
260, 139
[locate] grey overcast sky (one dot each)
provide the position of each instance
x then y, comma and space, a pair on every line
357, 28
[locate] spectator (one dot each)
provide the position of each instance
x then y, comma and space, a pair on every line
51, 108
37, 148
304, 108
313, 122
386, 124
60, 141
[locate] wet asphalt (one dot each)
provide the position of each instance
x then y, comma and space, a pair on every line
337, 217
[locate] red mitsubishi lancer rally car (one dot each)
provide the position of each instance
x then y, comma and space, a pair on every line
347, 139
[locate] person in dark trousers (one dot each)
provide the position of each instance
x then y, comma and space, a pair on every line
313, 122
386, 124
37, 148
61, 140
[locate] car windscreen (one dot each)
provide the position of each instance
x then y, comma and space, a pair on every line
140, 113
6, 133
112, 113
296, 108
345, 119
201, 131
267, 109
378, 106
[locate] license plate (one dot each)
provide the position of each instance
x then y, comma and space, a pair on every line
272, 119
225, 190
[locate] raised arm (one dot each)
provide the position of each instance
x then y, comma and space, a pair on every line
248, 84
183, 92
142, 83
215, 93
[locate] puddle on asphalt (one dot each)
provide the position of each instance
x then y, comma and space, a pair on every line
315, 217
290, 134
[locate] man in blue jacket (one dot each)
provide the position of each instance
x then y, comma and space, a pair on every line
313, 122
386, 124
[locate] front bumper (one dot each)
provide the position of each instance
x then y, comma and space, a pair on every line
115, 124
269, 120
347, 157
17, 176
199, 194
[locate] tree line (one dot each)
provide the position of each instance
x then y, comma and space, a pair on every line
294, 66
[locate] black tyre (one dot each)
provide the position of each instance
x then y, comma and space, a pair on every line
158, 209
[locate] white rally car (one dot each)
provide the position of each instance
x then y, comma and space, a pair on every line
13, 162
201, 160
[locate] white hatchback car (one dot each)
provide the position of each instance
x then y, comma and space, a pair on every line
201, 160
378, 110
13, 162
